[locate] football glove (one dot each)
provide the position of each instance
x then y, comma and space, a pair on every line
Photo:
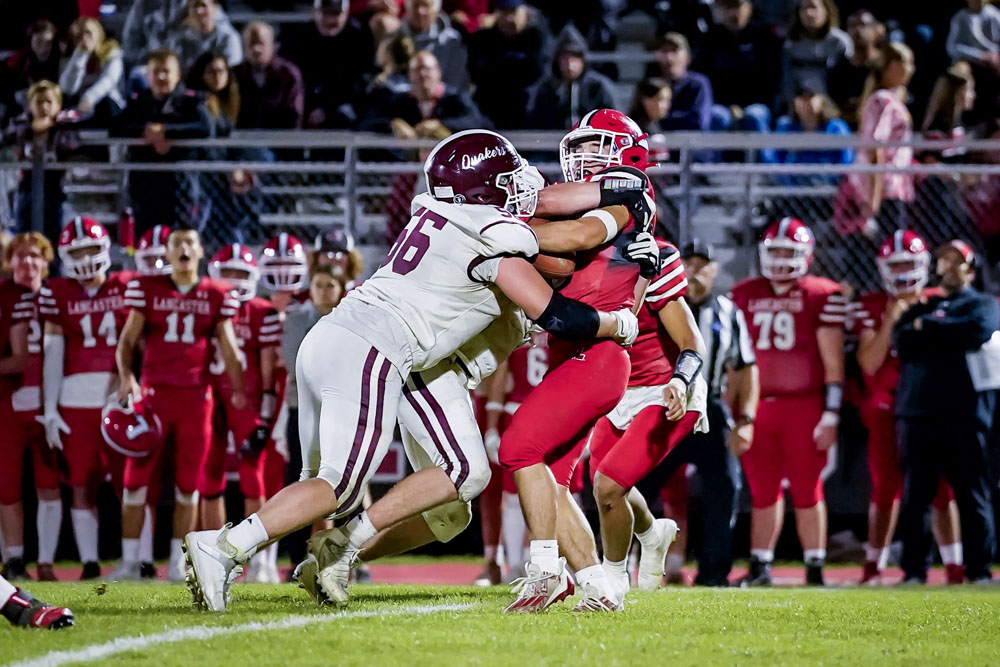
255, 443
628, 327
642, 250
633, 194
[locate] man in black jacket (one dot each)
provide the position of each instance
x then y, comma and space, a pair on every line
163, 112
943, 419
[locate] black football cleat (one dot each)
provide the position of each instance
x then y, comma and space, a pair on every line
814, 573
25, 611
14, 570
91, 570
759, 575
147, 571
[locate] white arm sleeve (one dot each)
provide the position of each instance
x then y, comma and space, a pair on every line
52, 371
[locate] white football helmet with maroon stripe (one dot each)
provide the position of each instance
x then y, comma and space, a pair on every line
84, 248
151, 253
236, 257
904, 262
788, 234
284, 266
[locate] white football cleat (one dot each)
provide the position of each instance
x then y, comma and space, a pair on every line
597, 598
334, 580
538, 590
653, 559
125, 572
177, 568
209, 568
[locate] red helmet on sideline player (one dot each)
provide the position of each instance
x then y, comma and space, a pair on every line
786, 234
131, 430
620, 141
151, 253
907, 248
284, 266
78, 237
481, 167
236, 257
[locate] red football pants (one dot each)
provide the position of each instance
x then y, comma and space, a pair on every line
88, 457
20, 434
241, 423
185, 414
584, 383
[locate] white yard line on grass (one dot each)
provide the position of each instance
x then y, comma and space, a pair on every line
140, 642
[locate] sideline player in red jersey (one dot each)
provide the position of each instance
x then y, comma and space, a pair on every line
28, 256
796, 322
904, 263
664, 402
258, 333
151, 253
176, 315
83, 312
589, 376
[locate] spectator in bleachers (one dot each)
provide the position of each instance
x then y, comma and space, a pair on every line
428, 110
812, 111
151, 23
597, 20
651, 104
691, 108
740, 57
37, 61
953, 97
91, 79
393, 58
432, 31
515, 51
163, 112
814, 46
201, 32
42, 128
974, 36
570, 89
336, 55
271, 88
211, 75
848, 76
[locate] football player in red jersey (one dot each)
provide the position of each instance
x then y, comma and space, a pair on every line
904, 264
796, 322
28, 256
664, 402
284, 270
151, 253
176, 315
83, 312
258, 333
602, 158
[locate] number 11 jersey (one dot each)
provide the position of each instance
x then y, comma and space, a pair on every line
783, 330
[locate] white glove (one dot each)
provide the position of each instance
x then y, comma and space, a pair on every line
628, 327
54, 425
492, 441
643, 251
533, 177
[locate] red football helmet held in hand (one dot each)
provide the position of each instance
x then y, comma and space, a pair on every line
284, 265
603, 138
904, 262
132, 429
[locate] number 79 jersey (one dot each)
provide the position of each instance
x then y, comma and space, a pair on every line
437, 279
783, 329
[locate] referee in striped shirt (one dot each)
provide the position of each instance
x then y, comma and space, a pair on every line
731, 373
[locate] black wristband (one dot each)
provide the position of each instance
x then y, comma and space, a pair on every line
568, 318
687, 366
833, 396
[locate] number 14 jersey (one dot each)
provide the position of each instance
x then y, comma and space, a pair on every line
783, 329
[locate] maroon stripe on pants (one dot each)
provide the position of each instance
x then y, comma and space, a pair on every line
376, 435
359, 433
463, 462
425, 420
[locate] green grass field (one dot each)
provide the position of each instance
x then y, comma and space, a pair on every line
154, 624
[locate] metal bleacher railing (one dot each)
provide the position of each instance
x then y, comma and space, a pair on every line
721, 187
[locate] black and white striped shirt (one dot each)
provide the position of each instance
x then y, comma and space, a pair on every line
726, 337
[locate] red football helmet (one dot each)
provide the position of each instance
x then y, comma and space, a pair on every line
284, 266
620, 141
236, 257
481, 167
84, 248
904, 262
151, 253
786, 234
132, 430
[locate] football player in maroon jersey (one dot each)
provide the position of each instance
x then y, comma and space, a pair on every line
176, 316
904, 264
796, 322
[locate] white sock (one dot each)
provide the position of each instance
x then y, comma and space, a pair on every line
675, 562
513, 531
616, 568
49, 522
763, 555
85, 532
545, 554
176, 550
145, 553
359, 530
248, 535
813, 555
951, 554
130, 551
6, 590
11, 552
647, 535
271, 556
879, 556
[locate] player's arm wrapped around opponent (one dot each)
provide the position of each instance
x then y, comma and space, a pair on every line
620, 186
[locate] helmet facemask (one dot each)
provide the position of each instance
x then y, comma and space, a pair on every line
522, 191
281, 275
82, 264
904, 272
246, 287
784, 268
579, 159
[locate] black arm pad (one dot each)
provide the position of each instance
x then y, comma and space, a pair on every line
569, 318
687, 366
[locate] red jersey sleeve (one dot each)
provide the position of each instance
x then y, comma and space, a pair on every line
135, 295
48, 303
672, 282
867, 313
270, 327
229, 305
833, 306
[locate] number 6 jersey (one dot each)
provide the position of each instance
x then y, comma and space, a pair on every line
783, 330
179, 327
